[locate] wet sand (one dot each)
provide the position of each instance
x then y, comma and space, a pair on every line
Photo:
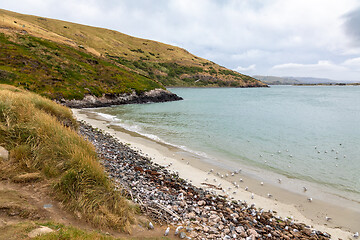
345, 220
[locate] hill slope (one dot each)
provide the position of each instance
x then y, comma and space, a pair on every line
166, 64
59, 71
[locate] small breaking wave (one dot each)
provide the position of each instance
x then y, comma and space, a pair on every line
139, 130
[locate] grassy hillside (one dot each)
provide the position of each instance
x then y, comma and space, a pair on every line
170, 65
59, 71
39, 135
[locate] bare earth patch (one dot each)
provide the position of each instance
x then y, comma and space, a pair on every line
27, 206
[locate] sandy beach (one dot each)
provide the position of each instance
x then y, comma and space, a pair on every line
344, 221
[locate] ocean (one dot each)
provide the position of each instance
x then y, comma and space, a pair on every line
309, 133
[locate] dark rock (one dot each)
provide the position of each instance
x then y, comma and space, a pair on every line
90, 101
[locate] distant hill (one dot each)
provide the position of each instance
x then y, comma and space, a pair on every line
63, 59
272, 80
312, 80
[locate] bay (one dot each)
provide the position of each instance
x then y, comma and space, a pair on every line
302, 132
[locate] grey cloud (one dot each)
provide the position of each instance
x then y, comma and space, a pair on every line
352, 26
231, 33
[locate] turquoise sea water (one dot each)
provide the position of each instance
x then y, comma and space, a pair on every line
308, 133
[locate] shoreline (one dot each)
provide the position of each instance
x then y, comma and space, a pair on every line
291, 204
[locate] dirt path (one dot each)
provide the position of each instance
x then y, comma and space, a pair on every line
31, 203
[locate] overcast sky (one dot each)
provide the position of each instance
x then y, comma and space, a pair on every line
304, 38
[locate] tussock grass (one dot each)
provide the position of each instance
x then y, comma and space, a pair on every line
40, 137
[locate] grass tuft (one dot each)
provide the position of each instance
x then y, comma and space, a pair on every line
40, 137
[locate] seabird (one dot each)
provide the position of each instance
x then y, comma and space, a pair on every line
328, 218
356, 235
246, 188
167, 231
261, 183
269, 195
151, 226
305, 189
279, 180
211, 170
252, 196
187, 163
310, 199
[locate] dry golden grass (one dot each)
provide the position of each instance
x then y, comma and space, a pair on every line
96, 40
33, 129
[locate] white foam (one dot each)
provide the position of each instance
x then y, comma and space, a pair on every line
137, 129
107, 117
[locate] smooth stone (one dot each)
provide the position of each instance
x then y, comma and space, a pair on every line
182, 235
40, 231
4, 154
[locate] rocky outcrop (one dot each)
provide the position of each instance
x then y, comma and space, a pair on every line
90, 101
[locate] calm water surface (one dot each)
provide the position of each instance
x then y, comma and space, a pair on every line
308, 133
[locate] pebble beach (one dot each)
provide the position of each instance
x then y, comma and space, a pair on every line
194, 203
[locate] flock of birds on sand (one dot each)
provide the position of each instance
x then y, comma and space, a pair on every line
252, 196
